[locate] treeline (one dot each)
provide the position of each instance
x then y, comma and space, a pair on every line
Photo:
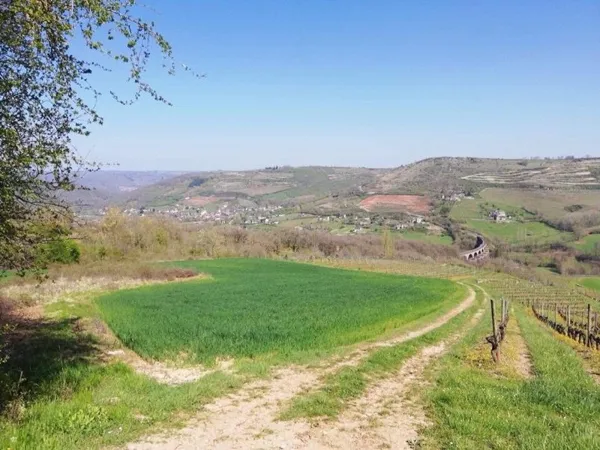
118, 237
576, 222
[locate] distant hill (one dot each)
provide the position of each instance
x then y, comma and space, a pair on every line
333, 188
285, 186
437, 175
107, 187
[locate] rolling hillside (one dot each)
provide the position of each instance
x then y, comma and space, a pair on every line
335, 188
451, 174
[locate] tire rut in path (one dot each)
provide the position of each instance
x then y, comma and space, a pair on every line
248, 418
385, 417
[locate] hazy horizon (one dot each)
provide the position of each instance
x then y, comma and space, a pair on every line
116, 168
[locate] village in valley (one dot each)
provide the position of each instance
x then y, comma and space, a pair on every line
233, 213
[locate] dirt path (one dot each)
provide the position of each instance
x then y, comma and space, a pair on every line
248, 419
386, 416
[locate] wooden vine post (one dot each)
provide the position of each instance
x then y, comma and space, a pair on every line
568, 317
589, 326
497, 335
555, 312
494, 340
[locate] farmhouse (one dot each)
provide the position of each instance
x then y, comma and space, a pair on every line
498, 215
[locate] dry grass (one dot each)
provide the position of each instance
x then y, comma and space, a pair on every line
65, 282
514, 357
439, 269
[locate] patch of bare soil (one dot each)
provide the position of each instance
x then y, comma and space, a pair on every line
418, 204
245, 420
171, 374
248, 419
384, 417
200, 200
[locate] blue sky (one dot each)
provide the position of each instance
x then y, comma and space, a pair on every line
357, 83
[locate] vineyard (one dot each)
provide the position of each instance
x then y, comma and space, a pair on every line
524, 292
580, 324
570, 310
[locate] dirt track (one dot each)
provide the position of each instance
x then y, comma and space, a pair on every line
382, 418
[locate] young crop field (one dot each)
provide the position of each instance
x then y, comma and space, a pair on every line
256, 307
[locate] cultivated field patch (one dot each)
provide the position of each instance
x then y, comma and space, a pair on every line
519, 232
418, 204
259, 307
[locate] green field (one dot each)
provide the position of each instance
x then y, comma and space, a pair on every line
429, 238
256, 307
519, 232
589, 243
479, 208
591, 282
521, 229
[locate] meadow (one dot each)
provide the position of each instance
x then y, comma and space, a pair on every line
252, 307
591, 282
479, 208
521, 229
519, 232
588, 244
553, 204
425, 237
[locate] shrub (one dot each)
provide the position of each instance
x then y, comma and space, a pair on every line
197, 181
122, 238
63, 251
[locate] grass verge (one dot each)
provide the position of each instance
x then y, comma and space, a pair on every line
472, 407
70, 399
